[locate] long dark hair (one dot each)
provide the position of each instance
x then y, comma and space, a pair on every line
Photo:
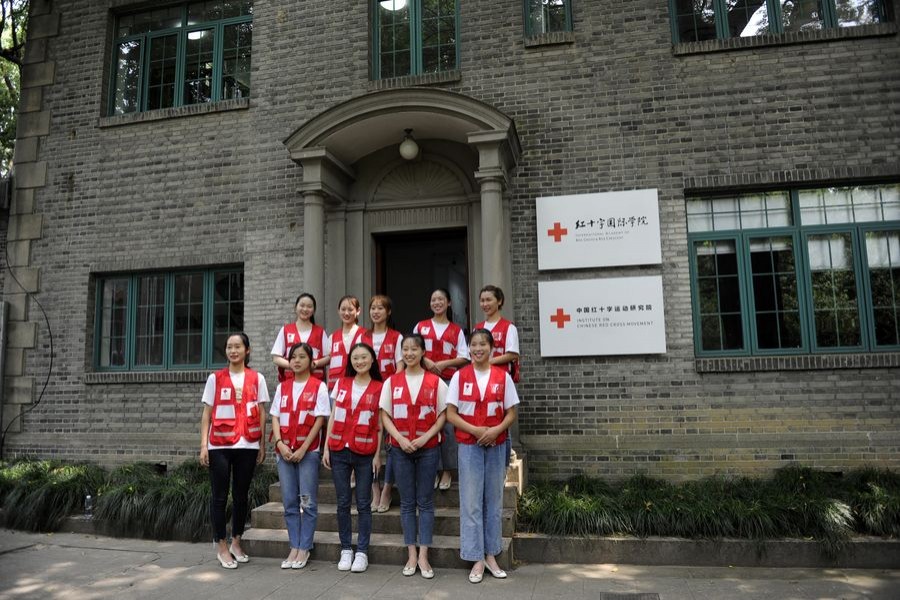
312, 319
305, 348
447, 296
374, 371
352, 300
420, 342
246, 341
385, 301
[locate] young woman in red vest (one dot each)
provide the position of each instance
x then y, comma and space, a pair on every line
299, 412
505, 352
481, 404
232, 442
386, 342
343, 338
445, 352
354, 443
303, 330
412, 412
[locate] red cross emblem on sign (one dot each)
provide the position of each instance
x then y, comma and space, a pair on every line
557, 232
560, 318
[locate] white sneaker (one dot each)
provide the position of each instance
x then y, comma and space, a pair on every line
360, 563
346, 559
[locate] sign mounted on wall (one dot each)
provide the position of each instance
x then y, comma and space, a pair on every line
609, 229
599, 317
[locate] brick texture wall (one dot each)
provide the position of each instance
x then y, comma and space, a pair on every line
614, 109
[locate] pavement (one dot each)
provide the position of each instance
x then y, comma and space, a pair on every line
77, 566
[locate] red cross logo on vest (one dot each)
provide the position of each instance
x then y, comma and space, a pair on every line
560, 318
557, 232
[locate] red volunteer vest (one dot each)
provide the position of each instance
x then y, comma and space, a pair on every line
291, 337
478, 411
355, 429
387, 361
499, 332
296, 423
338, 365
414, 420
440, 348
231, 419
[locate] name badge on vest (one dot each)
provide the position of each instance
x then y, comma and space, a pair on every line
398, 393
467, 389
425, 330
341, 395
336, 347
225, 394
290, 338
284, 401
495, 388
497, 336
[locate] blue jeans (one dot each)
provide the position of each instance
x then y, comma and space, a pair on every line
300, 485
482, 475
343, 462
389, 475
414, 475
448, 448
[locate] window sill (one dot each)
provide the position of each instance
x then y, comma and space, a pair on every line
174, 112
810, 362
785, 39
552, 38
414, 80
112, 377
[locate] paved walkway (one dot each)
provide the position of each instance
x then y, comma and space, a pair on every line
75, 566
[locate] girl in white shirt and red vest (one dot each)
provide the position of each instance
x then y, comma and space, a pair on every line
303, 330
481, 404
386, 342
343, 338
445, 352
412, 412
299, 412
354, 443
232, 442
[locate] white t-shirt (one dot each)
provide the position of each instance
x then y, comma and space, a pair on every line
356, 392
510, 397
462, 350
237, 380
414, 382
512, 336
278, 348
323, 406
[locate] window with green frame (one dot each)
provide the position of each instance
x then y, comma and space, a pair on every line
413, 37
168, 320
809, 270
547, 16
180, 55
698, 20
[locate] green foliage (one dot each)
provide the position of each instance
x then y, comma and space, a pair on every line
796, 502
37, 496
13, 24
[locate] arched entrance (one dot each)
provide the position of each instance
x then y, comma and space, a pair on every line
358, 191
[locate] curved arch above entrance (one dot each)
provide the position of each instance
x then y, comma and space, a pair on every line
352, 172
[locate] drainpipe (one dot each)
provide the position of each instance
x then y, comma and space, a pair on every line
3, 336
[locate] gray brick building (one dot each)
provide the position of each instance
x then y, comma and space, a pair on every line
177, 175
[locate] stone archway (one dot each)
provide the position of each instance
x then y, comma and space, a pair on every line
353, 179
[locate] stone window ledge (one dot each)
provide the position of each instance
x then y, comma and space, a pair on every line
152, 377
552, 38
414, 80
811, 362
785, 39
174, 112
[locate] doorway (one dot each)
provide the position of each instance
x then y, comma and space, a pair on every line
409, 266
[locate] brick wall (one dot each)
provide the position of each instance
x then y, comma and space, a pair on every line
616, 108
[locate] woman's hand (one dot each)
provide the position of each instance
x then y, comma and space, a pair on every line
298, 455
204, 456
261, 455
284, 450
489, 437
432, 366
326, 459
376, 464
419, 442
407, 446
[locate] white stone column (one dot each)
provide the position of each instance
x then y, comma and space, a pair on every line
314, 244
494, 233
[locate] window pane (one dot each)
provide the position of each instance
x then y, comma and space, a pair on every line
801, 15
438, 35
394, 39
747, 17
718, 294
883, 254
547, 15
775, 292
228, 310
236, 60
695, 19
851, 13
150, 323
834, 294
161, 72
198, 66
857, 204
128, 77
202, 12
113, 321
188, 322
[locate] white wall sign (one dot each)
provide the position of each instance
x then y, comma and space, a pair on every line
608, 229
593, 317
